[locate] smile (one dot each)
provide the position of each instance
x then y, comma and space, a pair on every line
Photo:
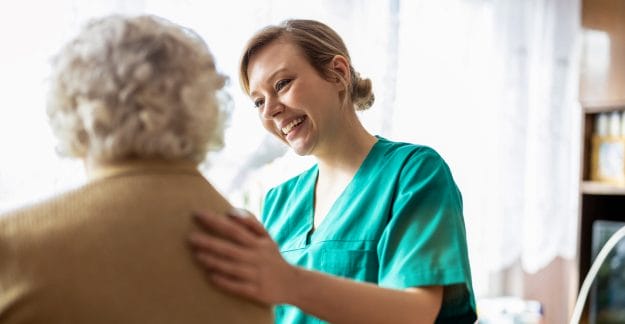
288, 128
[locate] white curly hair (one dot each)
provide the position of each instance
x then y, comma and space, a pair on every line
137, 87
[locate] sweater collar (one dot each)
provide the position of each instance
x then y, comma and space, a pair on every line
111, 169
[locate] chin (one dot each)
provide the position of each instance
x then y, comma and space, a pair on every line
301, 150
301, 153
302, 146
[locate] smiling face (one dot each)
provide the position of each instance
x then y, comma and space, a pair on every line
294, 102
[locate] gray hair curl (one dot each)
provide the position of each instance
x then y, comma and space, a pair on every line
136, 87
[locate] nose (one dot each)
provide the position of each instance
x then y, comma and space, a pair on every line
272, 108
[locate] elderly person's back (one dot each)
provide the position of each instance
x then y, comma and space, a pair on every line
138, 99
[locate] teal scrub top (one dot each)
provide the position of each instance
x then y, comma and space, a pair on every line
397, 224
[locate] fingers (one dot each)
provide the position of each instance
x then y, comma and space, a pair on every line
226, 267
234, 250
246, 218
214, 245
226, 227
241, 288
230, 277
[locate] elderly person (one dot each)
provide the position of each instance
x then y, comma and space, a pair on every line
139, 100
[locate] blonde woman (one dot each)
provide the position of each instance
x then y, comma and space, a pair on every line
139, 100
373, 233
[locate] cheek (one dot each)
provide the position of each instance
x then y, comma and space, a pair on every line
300, 95
269, 126
321, 93
291, 98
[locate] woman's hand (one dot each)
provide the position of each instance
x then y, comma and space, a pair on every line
241, 257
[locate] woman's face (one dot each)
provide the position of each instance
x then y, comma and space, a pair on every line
294, 102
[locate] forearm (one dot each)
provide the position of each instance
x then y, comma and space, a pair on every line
339, 300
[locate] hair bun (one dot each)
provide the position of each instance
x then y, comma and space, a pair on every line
362, 94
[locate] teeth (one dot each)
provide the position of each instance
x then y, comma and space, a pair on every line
287, 129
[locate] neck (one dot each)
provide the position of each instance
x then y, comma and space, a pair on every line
348, 150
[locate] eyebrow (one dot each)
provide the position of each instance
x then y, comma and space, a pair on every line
271, 77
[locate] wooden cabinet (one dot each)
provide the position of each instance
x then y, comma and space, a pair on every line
602, 70
598, 200
602, 89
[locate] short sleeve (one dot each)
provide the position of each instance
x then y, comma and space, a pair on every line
424, 242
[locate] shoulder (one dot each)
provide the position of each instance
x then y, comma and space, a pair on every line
21, 229
37, 220
25, 219
411, 157
417, 169
405, 150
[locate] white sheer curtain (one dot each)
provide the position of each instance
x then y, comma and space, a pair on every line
492, 85
489, 84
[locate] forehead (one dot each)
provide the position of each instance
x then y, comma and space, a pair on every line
277, 56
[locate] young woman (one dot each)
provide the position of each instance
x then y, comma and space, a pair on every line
373, 233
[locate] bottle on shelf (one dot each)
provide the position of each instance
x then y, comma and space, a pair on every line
614, 125
608, 149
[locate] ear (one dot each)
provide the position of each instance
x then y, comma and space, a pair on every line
340, 65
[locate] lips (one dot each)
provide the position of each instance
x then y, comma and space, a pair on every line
292, 124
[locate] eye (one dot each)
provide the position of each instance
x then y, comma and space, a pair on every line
259, 103
281, 84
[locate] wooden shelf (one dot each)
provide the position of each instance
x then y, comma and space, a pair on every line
598, 188
603, 106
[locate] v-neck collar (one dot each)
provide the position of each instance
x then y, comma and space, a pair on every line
314, 234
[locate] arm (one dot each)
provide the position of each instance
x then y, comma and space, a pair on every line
249, 264
340, 300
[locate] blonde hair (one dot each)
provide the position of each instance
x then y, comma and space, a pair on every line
319, 44
136, 87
